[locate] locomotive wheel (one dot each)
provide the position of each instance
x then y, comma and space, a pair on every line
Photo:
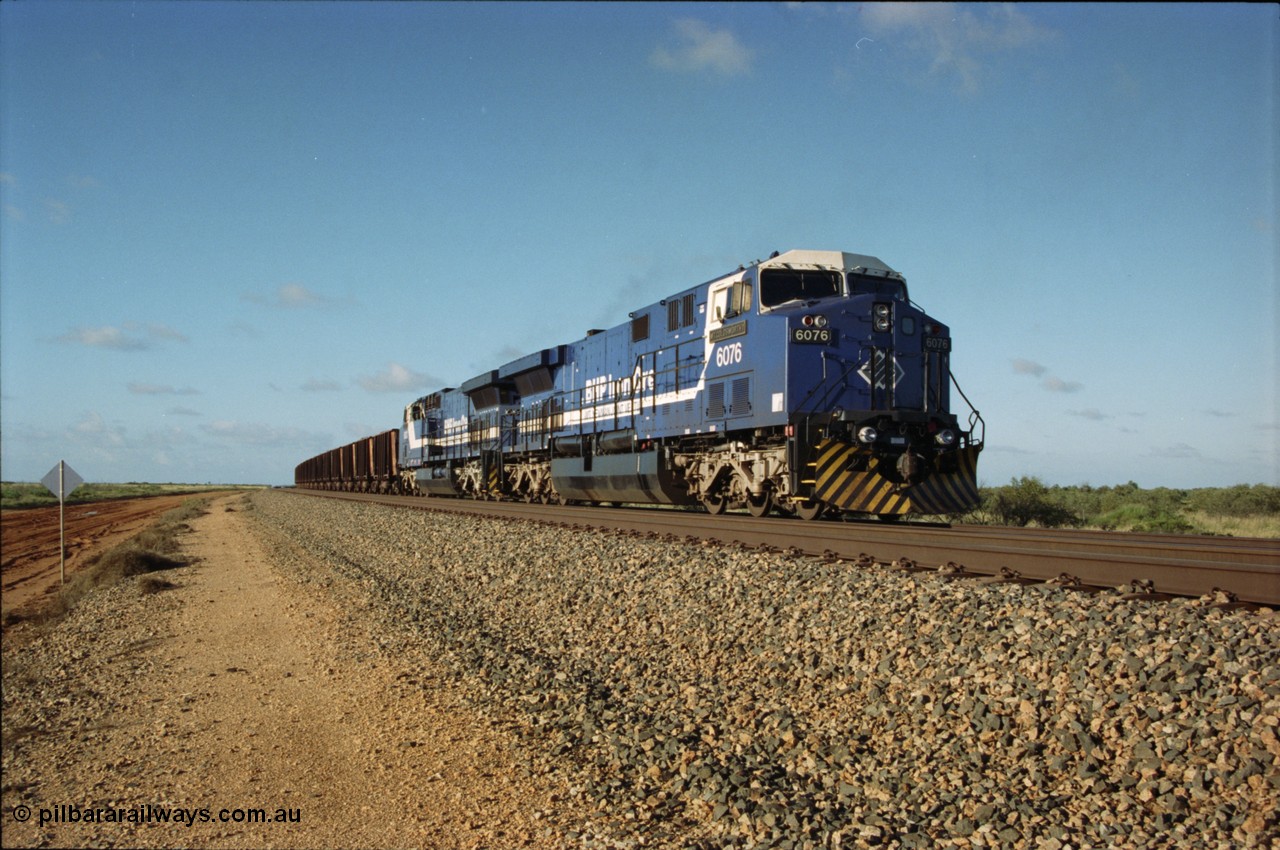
810, 509
715, 505
759, 506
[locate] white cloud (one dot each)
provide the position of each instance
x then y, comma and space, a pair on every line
104, 337
1051, 383
1028, 367
58, 212
165, 332
1179, 451
290, 296
954, 37
698, 47
130, 336
396, 378
160, 389
297, 295
1057, 385
891, 16
255, 433
93, 429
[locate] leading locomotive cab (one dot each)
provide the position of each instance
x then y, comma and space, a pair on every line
855, 376
871, 413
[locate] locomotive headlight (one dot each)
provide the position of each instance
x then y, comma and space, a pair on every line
867, 434
820, 321
881, 316
946, 437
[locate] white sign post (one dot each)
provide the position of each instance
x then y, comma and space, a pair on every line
60, 481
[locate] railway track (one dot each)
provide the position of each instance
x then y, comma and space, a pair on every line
1246, 570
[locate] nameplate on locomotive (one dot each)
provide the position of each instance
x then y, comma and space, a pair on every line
813, 336
728, 332
937, 343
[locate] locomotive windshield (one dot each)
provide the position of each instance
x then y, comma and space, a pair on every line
778, 286
862, 284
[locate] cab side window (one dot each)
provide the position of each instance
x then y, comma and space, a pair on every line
732, 301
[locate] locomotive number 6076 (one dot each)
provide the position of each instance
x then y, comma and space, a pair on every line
815, 336
728, 355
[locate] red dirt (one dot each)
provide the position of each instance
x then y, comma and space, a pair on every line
29, 541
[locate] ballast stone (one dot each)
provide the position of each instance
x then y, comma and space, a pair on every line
710, 696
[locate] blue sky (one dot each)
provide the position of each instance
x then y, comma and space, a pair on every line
236, 234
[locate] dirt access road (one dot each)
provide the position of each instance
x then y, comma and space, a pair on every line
30, 537
239, 689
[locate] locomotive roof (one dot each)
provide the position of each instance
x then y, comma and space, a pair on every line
826, 259
800, 258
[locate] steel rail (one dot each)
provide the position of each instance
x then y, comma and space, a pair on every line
1179, 565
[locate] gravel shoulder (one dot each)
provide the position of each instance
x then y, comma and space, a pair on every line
241, 689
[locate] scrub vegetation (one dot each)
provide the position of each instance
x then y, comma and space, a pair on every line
1243, 510
28, 495
153, 550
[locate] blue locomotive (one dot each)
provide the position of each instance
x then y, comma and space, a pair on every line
805, 383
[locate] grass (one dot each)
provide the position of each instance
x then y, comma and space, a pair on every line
1240, 511
155, 549
17, 494
1235, 526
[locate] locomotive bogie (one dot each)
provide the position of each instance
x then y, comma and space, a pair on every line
737, 475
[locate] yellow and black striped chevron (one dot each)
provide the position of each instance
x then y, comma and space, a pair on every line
846, 478
491, 465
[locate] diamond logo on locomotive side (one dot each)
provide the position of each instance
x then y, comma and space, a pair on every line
881, 371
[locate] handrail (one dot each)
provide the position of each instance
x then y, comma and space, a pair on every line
975, 418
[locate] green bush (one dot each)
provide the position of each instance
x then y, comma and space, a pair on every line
1027, 500
1238, 501
1140, 517
1243, 509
